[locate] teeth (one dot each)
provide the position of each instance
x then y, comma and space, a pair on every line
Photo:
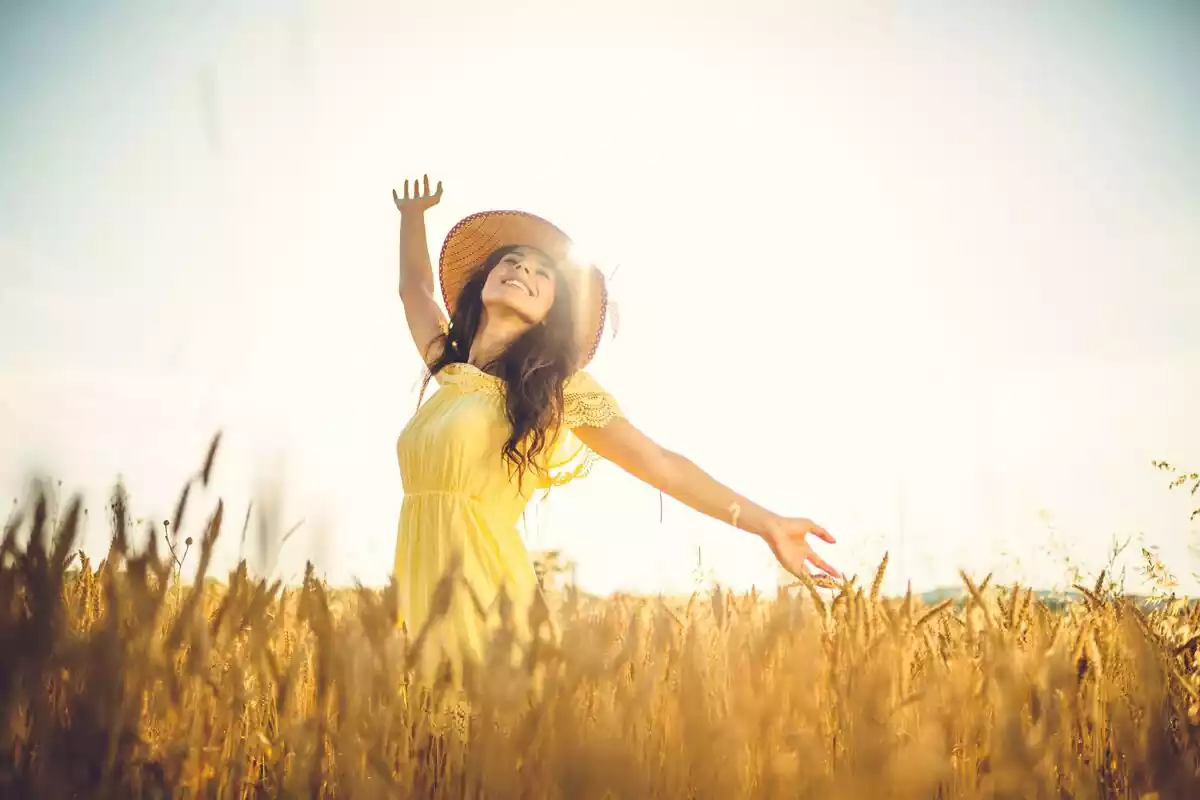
519, 284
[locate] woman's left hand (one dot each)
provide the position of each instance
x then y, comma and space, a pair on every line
787, 538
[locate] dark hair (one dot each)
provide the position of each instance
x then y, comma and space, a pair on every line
534, 368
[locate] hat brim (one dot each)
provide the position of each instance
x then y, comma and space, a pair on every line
474, 238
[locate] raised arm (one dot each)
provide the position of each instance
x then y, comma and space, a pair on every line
620, 442
417, 287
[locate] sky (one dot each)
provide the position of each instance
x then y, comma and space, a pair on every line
926, 273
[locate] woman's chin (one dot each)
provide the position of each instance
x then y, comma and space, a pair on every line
502, 307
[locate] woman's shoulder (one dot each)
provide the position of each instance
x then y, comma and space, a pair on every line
587, 402
581, 388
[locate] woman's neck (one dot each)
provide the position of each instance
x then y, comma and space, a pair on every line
495, 334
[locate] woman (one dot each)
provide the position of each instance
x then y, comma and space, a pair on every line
514, 413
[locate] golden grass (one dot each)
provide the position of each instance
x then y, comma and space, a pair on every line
119, 682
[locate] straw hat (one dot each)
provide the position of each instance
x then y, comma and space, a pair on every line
473, 239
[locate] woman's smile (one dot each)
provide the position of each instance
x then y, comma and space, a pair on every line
518, 283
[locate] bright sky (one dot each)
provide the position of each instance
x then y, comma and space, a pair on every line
928, 275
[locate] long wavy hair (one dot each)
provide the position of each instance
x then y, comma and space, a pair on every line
534, 368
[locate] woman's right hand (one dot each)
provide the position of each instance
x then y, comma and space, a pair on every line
788, 539
421, 200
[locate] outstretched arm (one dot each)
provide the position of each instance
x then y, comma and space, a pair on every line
425, 318
636, 453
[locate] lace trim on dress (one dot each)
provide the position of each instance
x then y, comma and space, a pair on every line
470, 378
585, 403
585, 460
594, 409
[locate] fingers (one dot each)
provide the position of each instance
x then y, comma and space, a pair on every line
823, 565
823, 581
822, 534
419, 190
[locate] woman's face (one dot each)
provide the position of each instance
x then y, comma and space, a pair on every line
524, 283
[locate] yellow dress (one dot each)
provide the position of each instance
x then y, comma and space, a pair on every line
460, 499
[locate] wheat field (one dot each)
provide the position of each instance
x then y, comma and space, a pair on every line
120, 681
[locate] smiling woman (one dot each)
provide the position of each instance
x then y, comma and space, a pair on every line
515, 412
529, 275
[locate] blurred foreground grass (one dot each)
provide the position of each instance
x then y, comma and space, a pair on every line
117, 681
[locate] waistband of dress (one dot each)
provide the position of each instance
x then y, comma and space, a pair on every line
470, 498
